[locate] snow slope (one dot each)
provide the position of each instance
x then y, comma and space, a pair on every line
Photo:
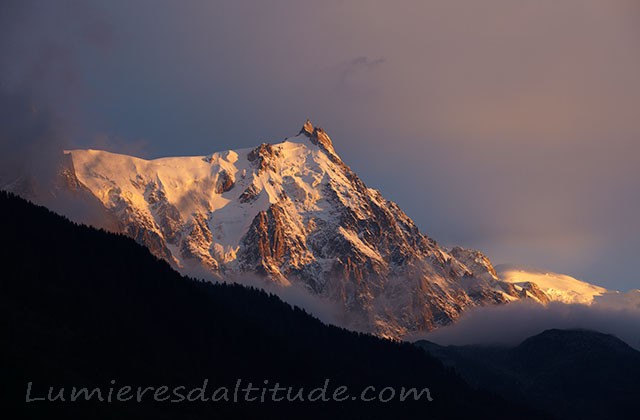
558, 287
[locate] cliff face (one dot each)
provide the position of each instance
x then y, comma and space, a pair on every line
294, 212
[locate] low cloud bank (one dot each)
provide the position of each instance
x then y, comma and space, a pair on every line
511, 324
613, 313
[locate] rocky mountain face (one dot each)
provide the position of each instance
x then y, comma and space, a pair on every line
293, 212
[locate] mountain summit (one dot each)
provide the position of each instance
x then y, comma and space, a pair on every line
319, 138
293, 212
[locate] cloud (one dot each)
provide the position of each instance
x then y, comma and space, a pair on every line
353, 79
41, 83
41, 91
511, 324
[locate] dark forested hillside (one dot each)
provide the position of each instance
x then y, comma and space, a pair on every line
573, 374
82, 307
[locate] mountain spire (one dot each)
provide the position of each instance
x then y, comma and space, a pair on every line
307, 128
318, 137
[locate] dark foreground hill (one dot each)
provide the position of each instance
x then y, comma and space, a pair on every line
572, 374
85, 308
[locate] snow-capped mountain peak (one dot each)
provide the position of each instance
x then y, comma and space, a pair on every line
293, 212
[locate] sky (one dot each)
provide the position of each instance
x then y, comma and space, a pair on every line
510, 127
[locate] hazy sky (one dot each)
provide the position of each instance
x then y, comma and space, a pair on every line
508, 126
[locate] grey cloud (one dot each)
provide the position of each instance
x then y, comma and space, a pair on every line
354, 71
41, 89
